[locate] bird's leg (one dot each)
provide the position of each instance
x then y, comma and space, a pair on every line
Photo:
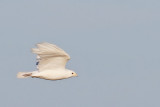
26, 75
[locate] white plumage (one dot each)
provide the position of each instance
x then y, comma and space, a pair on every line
51, 63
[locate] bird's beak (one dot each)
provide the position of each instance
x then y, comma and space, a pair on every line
75, 75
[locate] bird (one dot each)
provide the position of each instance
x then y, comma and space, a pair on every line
51, 63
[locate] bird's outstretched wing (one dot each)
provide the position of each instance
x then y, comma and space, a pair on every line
50, 56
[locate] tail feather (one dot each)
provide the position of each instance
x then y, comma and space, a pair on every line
24, 74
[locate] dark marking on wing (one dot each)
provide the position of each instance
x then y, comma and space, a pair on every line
37, 63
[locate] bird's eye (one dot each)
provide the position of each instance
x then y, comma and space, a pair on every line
72, 73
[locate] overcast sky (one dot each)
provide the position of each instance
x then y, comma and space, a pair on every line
114, 48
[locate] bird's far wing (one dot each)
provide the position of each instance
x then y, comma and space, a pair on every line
50, 56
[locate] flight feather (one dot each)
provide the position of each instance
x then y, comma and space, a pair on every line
50, 56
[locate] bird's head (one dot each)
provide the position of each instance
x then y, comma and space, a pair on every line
71, 73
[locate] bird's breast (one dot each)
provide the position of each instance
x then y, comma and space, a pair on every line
52, 75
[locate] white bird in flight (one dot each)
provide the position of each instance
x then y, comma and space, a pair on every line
51, 62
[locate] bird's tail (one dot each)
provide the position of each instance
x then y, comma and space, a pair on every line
24, 74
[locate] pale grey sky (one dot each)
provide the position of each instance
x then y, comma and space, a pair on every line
114, 47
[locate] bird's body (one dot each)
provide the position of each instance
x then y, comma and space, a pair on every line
51, 63
53, 74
